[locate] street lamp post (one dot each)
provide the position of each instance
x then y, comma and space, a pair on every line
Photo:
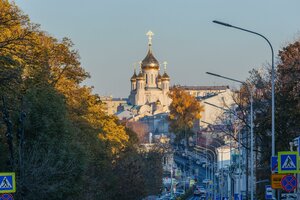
222, 167
222, 192
272, 76
198, 147
251, 128
171, 181
239, 141
239, 176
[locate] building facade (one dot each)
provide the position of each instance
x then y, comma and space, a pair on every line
215, 101
111, 104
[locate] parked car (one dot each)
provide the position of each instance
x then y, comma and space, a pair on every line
288, 196
199, 191
203, 197
167, 197
202, 190
179, 192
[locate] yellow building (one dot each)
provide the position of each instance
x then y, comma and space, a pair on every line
111, 104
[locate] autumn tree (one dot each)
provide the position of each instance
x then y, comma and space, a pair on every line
141, 129
184, 110
16, 30
287, 106
287, 113
288, 95
69, 141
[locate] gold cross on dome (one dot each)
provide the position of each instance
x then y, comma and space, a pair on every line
150, 34
165, 65
140, 65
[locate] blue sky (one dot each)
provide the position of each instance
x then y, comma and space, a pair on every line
110, 36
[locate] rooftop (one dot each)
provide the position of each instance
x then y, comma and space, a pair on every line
222, 87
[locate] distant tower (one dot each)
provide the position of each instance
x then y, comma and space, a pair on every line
133, 79
159, 81
165, 79
140, 88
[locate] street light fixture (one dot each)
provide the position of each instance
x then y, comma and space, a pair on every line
197, 148
251, 127
272, 76
239, 142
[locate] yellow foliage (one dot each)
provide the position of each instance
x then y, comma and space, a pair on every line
184, 110
44, 60
15, 31
85, 106
114, 133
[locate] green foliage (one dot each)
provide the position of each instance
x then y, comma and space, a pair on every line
46, 113
129, 180
52, 160
152, 171
139, 174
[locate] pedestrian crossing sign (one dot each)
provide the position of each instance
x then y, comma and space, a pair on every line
288, 162
7, 182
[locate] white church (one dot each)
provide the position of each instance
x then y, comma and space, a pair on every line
149, 101
149, 87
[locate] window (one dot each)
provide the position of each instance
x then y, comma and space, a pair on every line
152, 79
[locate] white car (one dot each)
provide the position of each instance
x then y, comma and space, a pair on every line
179, 192
202, 197
167, 197
199, 190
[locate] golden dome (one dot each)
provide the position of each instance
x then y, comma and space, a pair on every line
133, 78
165, 76
150, 61
140, 76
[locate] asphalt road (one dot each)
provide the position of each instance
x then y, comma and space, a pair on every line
184, 163
194, 198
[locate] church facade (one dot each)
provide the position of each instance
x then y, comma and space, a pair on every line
149, 86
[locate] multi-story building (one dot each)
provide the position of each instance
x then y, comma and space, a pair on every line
204, 91
111, 104
215, 100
